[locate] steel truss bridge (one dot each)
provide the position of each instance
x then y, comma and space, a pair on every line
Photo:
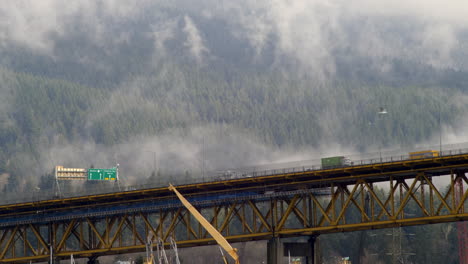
272, 204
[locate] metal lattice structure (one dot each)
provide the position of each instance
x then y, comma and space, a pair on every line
253, 208
462, 227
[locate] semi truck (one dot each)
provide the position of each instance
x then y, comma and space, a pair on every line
335, 162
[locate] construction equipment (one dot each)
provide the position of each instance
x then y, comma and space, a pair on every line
149, 260
174, 249
211, 230
149, 250
345, 260
222, 254
161, 252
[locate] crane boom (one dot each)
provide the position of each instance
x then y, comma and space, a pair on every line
213, 232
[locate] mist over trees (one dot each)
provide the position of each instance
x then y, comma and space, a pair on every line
156, 86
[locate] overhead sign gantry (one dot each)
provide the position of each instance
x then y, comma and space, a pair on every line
90, 174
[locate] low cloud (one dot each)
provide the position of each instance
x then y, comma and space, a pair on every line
308, 34
211, 149
194, 41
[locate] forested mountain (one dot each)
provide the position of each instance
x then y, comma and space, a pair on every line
170, 89
41, 113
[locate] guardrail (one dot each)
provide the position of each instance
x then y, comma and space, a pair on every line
264, 170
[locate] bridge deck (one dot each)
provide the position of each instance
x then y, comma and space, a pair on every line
286, 202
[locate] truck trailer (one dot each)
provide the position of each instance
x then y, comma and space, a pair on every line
335, 162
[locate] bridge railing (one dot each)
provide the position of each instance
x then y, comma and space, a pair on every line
258, 171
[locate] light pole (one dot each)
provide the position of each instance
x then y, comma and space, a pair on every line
398, 255
381, 113
440, 131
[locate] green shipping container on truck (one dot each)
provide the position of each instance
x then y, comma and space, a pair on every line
333, 162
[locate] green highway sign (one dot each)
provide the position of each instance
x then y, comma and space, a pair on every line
102, 174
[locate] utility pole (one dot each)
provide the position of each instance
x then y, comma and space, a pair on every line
398, 256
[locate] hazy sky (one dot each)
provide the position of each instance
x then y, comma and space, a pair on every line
308, 31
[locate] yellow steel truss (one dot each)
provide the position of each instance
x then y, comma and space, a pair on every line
353, 202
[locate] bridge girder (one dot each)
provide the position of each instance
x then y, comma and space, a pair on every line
357, 204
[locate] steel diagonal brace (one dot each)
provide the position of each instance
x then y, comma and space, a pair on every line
361, 209
317, 203
406, 198
162, 217
300, 215
26, 241
286, 214
379, 202
8, 244
80, 238
416, 199
446, 196
463, 176
442, 200
117, 232
148, 225
297, 211
243, 221
260, 217
108, 229
65, 235
228, 217
174, 221
39, 237
345, 205
135, 233
391, 194
96, 232
189, 226
4, 234
329, 207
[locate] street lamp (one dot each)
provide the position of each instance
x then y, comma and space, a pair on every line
440, 131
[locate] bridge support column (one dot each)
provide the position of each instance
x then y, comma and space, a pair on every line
53, 261
311, 259
93, 260
274, 251
301, 249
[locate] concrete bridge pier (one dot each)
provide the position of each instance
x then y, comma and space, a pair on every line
311, 259
54, 261
274, 251
93, 260
277, 250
